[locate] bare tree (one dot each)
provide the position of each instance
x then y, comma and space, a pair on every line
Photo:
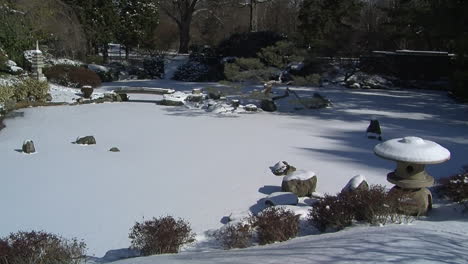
252, 5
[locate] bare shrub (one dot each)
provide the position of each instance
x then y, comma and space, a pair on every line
40, 248
275, 225
331, 212
455, 187
374, 205
161, 235
235, 236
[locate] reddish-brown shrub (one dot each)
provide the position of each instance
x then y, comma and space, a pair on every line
40, 248
72, 76
275, 225
235, 236
160, 235
331, 212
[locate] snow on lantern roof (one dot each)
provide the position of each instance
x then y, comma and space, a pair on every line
413, 150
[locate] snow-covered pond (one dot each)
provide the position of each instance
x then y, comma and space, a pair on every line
197, 165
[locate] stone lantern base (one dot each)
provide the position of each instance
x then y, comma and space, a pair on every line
413, 201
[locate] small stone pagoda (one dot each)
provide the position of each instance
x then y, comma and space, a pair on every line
37, 64
411, 155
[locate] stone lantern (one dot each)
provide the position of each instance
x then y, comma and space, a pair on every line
411, 155
37, 64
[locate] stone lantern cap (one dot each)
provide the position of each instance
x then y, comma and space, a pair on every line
412, 150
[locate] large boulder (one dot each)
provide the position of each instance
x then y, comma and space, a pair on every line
302, 183
88, 140
282, 168
28, 147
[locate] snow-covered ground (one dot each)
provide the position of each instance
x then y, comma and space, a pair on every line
202, 167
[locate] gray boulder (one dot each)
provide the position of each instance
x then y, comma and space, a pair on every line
88, 140
28, 147
302, 183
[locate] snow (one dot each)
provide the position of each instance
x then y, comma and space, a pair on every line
354, 183
281, 198
301, 175
202, 167
97, 68
412, 149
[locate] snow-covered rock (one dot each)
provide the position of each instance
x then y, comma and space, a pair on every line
28, 147
302, 183
281, 198
13, 67
357, 182
282, 168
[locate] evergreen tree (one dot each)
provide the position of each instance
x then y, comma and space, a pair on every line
329, 26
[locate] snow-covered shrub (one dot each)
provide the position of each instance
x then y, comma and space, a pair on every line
247, 45
41, 248
27, 88
309, 80
235, 235
154, 67
192, 71
72, 76
160, 235
455, 187
247, 69
275, 224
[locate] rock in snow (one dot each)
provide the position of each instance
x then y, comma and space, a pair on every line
281, 198
358, 182
28, 147
88, 140
282, 168
302, 183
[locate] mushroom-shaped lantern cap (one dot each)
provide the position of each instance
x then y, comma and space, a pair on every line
413, 150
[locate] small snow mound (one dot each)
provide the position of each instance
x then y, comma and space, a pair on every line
176, 97
354, 183
300, 175
97, 68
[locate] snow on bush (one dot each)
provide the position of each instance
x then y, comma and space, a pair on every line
40, 247
161, 235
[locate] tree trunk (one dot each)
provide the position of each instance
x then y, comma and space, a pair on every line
184, 36
105, 53
127, 52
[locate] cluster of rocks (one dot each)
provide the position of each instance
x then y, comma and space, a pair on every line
29, 148
361, 80
302, 183
213, 102
107, 97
